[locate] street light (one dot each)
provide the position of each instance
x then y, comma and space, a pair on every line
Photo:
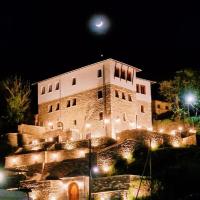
2, 177
190, 99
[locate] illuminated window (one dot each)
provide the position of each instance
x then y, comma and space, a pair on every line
123, 96
58, 106
116, 94
57, 86
116, 72
129, 97
142, 108
143, 89
123, 74
100, 94
43, 90
50, 108
73, 102
101, 116
68, 103
74, 81
99, 73
129, 75
137, 88
50, 88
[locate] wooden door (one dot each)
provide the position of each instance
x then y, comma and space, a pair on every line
73, 191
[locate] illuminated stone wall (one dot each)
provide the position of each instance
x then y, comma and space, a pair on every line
57, 189
44, 156
120, 113
120, 187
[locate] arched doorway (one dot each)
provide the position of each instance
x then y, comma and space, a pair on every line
73, 191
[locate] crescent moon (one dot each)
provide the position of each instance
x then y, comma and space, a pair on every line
100, 24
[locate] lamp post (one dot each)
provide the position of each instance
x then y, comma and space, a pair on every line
190, 99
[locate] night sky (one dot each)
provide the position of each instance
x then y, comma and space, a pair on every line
39, 40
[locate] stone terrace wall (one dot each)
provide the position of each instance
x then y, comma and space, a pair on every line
44, 156
108, 185
108, 155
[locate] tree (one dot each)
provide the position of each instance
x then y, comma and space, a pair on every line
16, 93
174, 90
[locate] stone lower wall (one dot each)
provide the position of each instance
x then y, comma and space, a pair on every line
57, 189
108, 156
44, 156
119, 187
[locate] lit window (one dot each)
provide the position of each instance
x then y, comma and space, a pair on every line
137, 88
74, 81
100, 94
43, 90
73, 102
129, 97
58, 106
50, 88
99, 73
116, 94
142, 108
75, 122
123, 96
101, 116
68, 103
124, 117
123, 72
57, 86
116, 72
50, 108
129, 76
143, 89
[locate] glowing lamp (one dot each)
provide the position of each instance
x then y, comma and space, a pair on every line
180, 128
33, 195
173, 132
87, 125
54, 156
190, 99
192, 130
106, 121
81, 153
175, 144
52, 198
161, 130
2, 177
14, 160
117, 120
50, 139
95, 169
154, 144
150, 129
106, 168
34, 142
50, 124
139, 127
132, 124
35, 157
64, 186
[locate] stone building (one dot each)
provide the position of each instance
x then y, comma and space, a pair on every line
100, 99
160, 107
86, 119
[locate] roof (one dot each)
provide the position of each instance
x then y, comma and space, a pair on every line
109, 59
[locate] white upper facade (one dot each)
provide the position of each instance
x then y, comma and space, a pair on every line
92, 76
